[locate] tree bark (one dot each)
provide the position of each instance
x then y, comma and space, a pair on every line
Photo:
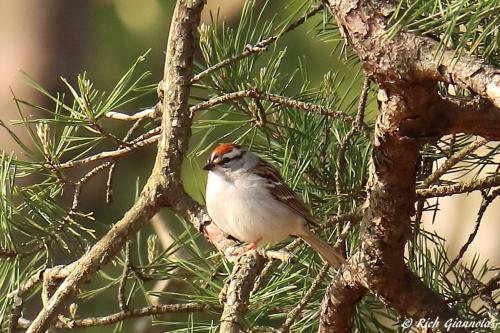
410, 108
164, 186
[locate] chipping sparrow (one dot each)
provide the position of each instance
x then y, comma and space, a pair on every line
249, 200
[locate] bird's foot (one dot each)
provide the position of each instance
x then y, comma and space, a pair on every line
233, 253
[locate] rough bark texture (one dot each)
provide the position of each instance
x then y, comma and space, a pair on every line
410, 107
470, 115
340, 300
164, 183
237, 294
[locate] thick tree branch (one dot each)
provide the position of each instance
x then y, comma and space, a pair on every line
164, 183
409, 56
408, 93
237, 294
470, 115
340, 300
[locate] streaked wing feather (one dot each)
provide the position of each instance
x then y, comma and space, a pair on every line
282, 192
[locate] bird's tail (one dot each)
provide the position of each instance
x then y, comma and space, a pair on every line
325, 250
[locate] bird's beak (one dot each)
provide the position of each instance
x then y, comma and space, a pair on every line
209, 166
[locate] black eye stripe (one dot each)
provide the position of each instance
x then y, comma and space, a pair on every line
226, 160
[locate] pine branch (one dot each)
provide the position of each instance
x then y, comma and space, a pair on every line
392, 64
475, 185
238, 290
476, 116
114, 318
294, 314
279, 100
257, 48
162, 187
453, 160
147, 113
121, 152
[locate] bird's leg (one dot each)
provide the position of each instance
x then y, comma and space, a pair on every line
252, 246
245, 248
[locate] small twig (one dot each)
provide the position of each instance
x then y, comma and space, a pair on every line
357, 127
82, 181
98, 128
264, 329
443, 191
111, 172
292, 315
451, 161
262, 279
112, 154
340, 158
6, 253
77, 192
149, 134
122, 302
276, 255
109, 182
124, 315
480, 288
152, 113
32, 281
15, 314
336, 219
343, 235
257, 48
277, 99
487, 200
86, 106
425, 170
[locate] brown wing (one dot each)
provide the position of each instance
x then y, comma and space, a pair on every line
282, 192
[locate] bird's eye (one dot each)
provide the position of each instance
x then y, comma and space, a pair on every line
224, 161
